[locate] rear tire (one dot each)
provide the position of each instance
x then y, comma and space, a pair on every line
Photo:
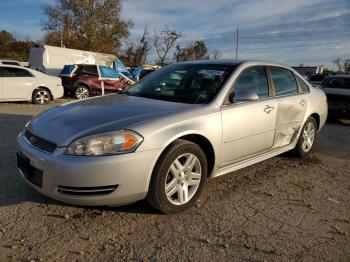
81, 92
306, 138
41, 96
179, 178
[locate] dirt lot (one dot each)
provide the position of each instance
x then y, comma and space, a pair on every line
282, 209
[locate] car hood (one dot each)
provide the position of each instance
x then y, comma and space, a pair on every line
64, 123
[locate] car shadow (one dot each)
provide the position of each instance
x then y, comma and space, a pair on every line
13, 190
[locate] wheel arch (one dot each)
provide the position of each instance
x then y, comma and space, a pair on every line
202, 141
317, 119
82, 84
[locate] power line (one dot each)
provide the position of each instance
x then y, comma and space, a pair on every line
292, 46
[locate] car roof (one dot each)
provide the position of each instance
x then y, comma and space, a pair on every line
235, 62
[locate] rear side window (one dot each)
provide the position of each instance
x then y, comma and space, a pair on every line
303, 85
253, 80
92, 70
283, 81
15, 72
68, 69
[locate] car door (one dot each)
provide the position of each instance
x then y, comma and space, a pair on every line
110, 77
249, 126
17, 83
292, 105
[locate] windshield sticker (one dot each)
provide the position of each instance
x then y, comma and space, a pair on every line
211, 72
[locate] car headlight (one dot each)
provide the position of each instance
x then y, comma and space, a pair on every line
104, 144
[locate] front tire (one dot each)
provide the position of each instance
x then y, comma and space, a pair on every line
41, 96
179, 178
306, 138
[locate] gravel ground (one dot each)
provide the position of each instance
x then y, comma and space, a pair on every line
283, 209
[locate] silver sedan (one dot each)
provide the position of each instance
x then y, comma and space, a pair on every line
165, 136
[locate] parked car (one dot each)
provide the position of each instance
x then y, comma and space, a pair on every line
140, 72
316, 78
10, 62
167, 134
24, 84
82, 81
337, 89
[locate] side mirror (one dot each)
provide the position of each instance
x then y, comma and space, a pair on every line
242, 96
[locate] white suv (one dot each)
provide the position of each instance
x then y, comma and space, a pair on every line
23, 84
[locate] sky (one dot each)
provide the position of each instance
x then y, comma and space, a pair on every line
309, 32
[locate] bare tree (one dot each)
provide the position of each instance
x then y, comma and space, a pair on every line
195, 51
164, 42
135, 54
216, 54
338, 63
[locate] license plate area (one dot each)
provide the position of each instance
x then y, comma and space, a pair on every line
32, 174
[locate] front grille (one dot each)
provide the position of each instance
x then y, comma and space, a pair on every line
86, 191
40, 143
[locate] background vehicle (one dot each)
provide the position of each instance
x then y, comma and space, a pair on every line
170, 132
10, 62
315, 79
337, 89
50, 59
82, 81
140, 72
23, 84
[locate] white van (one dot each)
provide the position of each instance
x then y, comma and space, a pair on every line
51, 59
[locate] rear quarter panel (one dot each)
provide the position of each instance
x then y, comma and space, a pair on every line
318, 105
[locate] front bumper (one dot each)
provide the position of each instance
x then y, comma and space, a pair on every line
130, 173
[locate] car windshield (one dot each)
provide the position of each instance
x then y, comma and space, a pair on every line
183, 83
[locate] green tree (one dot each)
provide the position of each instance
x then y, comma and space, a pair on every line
6, 39
93, 25
11, 48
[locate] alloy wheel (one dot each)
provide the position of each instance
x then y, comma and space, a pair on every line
308, 136
81, 93
42, 97
183, 179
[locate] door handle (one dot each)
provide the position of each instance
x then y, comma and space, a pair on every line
268, 109
302, 102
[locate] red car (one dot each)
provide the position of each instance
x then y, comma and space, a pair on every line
82, 81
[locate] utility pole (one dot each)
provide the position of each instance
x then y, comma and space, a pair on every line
237, 43
62, 38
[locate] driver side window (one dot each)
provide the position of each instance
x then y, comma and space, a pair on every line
253, 80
